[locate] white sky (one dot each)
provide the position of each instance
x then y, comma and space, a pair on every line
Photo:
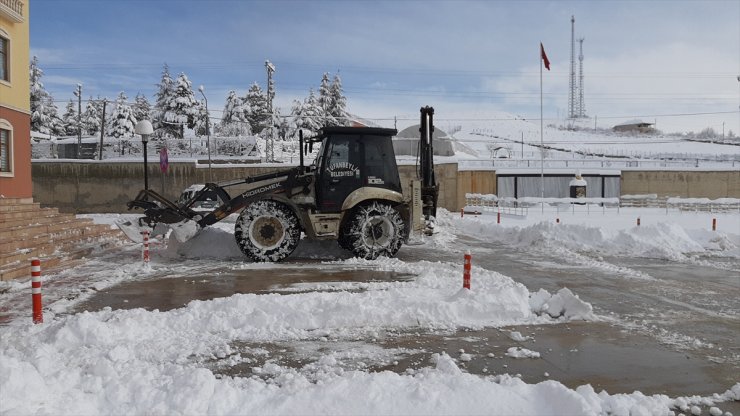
642, 59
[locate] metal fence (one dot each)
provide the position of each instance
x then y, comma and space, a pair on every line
489, 202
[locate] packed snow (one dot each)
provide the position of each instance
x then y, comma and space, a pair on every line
154, 362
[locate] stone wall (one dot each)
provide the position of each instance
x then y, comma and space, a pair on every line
94, 187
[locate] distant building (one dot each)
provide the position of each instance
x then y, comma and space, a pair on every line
15, 105
638, 126
357, 121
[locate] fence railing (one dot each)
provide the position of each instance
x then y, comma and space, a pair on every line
490, 202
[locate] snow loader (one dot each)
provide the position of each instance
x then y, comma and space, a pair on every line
351, 193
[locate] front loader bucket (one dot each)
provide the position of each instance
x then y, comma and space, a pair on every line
135, 229
183, 230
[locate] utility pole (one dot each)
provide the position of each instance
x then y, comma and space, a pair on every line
78, 93
102, 130
270, 146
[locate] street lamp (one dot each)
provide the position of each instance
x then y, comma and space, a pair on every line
144, 128
208, 133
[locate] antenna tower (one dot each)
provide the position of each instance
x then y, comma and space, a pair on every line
581, 103
572, 83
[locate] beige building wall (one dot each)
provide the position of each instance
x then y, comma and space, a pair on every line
14, 26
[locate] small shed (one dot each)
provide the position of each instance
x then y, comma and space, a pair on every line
638, 126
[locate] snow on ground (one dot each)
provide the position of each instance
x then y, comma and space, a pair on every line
151, 362
674, 236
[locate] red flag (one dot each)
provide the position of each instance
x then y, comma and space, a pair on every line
544, 57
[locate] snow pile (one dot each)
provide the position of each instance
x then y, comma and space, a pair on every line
518, 352
667, 240
564, 303
70, 375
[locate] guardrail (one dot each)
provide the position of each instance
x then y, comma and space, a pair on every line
490, 202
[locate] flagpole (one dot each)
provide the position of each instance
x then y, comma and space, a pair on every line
542, 141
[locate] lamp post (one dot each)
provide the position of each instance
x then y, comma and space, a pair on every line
208, 133
144, 128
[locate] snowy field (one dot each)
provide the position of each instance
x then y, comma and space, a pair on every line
474, 135
138, 361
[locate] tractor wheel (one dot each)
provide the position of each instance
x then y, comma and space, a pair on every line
375, 230
267, 231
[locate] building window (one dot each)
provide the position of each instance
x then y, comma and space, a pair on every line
5, 161
4, 59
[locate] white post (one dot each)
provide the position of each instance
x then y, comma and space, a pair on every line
542, 143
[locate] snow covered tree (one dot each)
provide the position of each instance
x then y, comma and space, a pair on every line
123, 118
233, 109
325, 102
233, 121
257, 113
311, 114
91, 118
44, 118
338, 105
141, 107
69, 119
201, 119
165, 91
182, 108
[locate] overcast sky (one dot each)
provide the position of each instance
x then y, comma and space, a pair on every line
642, 59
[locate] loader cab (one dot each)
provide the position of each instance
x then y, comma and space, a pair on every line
351, 158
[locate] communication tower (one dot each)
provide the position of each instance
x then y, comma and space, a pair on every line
572, 110
581, 103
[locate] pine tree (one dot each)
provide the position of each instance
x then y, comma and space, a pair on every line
141, 107
201, 119
233, 123
311, 113
338, 101
257, 113
296, 115
232, 109
91, 118
124, 121
165, 91
69, 119
325, 102
43, 111
182, 108
55, 123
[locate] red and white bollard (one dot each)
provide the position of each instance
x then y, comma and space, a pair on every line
714, 224
145, 253
498, 217
38, 315
466, 270
638, 221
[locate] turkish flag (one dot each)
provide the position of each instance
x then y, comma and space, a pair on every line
544, 57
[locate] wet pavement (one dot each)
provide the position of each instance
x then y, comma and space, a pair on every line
672, 328
176, 292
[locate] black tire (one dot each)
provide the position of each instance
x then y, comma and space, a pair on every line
374, 230
267, 231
